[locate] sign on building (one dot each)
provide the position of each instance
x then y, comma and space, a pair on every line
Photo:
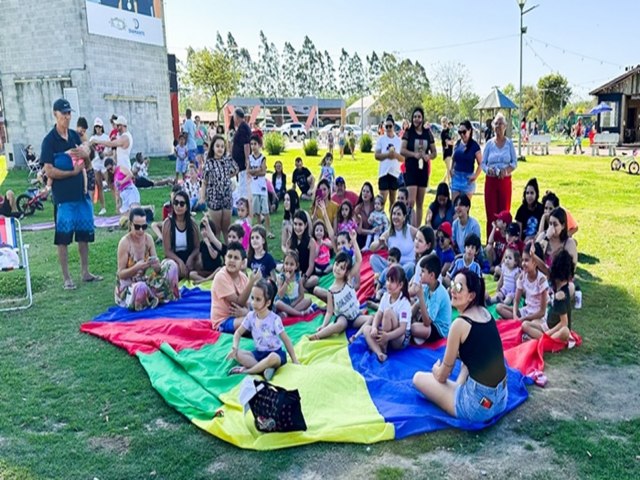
135, 20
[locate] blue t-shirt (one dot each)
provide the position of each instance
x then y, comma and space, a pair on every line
53, 150
459, 265
499, 158
189, 128
445, 256
464, 156
439, 308
460, 233
266, 264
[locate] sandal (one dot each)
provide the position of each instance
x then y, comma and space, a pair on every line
270, 236
93, 278
69, 285
236, 370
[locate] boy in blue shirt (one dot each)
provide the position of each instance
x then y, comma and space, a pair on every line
472, 247
433, 309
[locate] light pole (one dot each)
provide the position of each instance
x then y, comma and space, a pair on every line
523, 30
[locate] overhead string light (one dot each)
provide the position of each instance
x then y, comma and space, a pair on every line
566, 51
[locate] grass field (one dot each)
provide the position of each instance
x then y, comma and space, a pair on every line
74, 406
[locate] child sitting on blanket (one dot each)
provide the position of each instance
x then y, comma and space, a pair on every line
472, 247
433, 309
343, 307
394, 259
534, 285
348, 242
231, 288
322, 234
510, 271
378, 221
268, 336
391, 325
558, 324
290, 299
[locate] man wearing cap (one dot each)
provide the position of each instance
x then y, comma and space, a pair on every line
189, 128
343, 194
240, 150
74, 217
497, 242
123, 144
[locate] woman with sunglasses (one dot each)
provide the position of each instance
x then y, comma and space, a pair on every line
418, 149
466, 154
180, 236
142, 281
480, 391
498, 163
387, 152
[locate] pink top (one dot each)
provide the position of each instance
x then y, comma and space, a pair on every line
246, 226
118, 177
324, 255
348, 226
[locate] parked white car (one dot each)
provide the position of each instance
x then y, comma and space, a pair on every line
293, 131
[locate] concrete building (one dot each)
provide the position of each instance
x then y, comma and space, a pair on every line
104, 56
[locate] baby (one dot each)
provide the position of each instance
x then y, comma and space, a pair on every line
378, 221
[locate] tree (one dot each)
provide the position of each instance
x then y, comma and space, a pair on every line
213, 73
435, 105
555, 93
307, 73
467, 106
453, 81
268, 69
288, 86
358, 82
374, 70
344, 76
245, 66
402, 86
510, 91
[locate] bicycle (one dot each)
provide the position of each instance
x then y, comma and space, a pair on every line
32, 200
632, 168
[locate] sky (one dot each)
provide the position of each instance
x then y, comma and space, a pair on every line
584, 40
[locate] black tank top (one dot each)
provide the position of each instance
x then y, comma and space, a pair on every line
303, 256
482, 353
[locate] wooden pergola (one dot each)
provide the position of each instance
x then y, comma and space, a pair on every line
495, 102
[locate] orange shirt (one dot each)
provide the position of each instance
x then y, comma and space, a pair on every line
571, 222
222, 288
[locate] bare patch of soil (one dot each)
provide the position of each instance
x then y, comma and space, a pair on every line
118, 445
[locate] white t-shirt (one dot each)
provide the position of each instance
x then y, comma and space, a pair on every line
401, 307
388, 166
258, 184
123, 155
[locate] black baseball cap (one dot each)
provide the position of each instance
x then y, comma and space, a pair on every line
62, 105
239, 112
340, 180
513, 229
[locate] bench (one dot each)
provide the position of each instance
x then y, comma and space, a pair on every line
607, 140
541, 141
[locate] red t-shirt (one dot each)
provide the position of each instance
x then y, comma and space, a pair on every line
348, 195
166, 210
113, 135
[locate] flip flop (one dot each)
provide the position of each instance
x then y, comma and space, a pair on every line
69, 285
236, 370
93, 278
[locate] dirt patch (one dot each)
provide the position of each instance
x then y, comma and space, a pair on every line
597, 392
215, 467
160, 424
118, 444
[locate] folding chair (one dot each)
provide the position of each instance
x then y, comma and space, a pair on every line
11, 237
32, 161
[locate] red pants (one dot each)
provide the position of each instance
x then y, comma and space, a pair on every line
497, 197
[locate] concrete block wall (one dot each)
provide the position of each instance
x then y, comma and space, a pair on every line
45, 47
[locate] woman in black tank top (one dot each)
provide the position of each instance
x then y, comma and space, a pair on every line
480, 391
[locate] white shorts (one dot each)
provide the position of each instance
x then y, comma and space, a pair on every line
260, 204
129, 196
98, 165
243, 188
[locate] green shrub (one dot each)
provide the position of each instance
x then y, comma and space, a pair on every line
310, 147
366, 143
274, 143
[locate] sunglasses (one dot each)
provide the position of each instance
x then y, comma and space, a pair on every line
457, 287
388, 127
179, 203
137, 226
462, 132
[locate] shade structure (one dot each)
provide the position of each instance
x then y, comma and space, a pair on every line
496, 100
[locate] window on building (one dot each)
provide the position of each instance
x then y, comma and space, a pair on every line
610, 119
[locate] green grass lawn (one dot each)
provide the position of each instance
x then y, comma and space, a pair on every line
74, 406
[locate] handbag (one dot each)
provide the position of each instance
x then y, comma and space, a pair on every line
276, 409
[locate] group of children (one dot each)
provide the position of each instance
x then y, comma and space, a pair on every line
252, 292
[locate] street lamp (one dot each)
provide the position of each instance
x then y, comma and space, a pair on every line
523, 30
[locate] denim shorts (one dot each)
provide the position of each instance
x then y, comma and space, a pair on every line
227, 326
460, 182
260, 355
476, 402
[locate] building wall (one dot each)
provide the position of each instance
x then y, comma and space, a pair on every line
45, 47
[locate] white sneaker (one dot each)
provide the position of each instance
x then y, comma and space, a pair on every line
102, 211
578, 300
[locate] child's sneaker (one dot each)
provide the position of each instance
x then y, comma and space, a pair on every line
102, 211
268, 374
578, 300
